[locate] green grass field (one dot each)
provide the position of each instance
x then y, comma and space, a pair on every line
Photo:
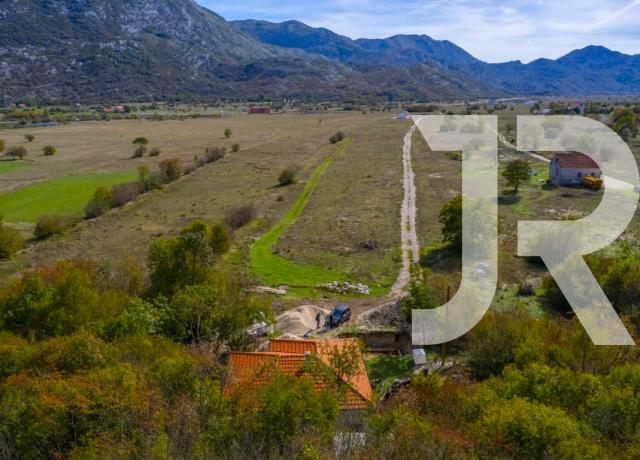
63, 195
387, 369
11, 166
276, 270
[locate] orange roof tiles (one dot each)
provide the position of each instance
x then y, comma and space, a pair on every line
290, 356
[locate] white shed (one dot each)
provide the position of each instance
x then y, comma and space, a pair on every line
403, 116
571, 168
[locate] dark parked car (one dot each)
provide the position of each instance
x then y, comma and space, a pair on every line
340, 315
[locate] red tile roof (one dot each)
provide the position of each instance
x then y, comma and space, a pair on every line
290, 356
575, 161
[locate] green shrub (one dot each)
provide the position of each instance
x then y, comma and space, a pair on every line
141, 141
337, 137
235, 148
49, 150
532, 430
10, 241
99, 204
219, 240
50, 225
287, 176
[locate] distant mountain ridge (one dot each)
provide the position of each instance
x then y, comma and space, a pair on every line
125, 50
592, 70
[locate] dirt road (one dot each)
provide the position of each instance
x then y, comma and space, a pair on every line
410, 245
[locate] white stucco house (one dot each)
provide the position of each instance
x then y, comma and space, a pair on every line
403, 116
571, 168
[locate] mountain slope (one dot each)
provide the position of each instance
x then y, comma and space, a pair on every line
107, 50
592, 70
399, 50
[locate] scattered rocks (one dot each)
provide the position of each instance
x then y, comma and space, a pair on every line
389, 315
282, 290
346, 288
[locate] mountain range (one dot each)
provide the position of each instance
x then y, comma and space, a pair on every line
125, 50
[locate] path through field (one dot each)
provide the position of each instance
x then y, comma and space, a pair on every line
410, 245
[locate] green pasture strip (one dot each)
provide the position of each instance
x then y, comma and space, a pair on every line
62, 195
276, 270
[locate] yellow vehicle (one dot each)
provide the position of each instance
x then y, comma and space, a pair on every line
594, 183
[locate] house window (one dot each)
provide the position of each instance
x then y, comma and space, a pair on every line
579, 175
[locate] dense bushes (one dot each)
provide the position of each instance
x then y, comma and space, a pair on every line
211, 156
50, 225
10, 241
16, 152
185, 260
99, 204
122, 194
337, 137
240, 216
90, 370
170, 170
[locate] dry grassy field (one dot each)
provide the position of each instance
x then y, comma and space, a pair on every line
268, 144
356, 199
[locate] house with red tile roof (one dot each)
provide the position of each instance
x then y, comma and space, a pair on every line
293, 356
572, 168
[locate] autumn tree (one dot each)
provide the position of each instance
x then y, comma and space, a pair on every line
170, 170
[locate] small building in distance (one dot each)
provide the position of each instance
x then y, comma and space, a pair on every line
404, 115
259, 109
572, 168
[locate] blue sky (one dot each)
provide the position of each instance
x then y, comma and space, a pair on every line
491, 30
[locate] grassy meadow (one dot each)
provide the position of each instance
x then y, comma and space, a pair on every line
66, 195
306, 233
9, 166
277, 270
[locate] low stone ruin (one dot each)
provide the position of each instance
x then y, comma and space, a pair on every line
345, 288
